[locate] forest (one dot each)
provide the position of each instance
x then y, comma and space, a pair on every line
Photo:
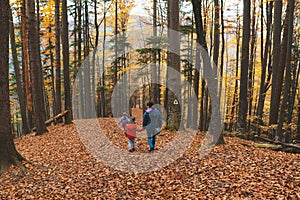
223, 74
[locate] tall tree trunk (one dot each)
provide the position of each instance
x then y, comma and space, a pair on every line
41, 75
243, 106
166, 97
116, 61
103, 99
223, 40
220, 140
52, 73
294, 85
80, 75
298, 124
25, 127
26, 64
287, 84
235, 93
154, 56
216, 33
75, 30
251, 64
191, 122
93, 88
37, 88
275, 95
265, 54
87, 70
202, 118
173, 80
8, 152
196, 88
201, 42
57, 60
65, 49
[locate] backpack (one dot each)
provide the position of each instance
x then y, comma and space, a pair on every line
131, 130
152, 121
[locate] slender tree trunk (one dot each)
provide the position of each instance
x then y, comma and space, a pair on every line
87, 69
116, 60
216, 33
93, 88
216, 57
75, 107
38, 93
205, 107
173, 80
251, 64
8, 152
275, 95
202, 118
166, 98
103, 99
57, 60
65, 48
116, 44
81, 86
298, 124
287, 84
222, 38
264, 84
294, 85
201, 42
154, 56
25, 127
196, 88
26, 64
243, 106
52, 73
190, 123
41, 75
235, 93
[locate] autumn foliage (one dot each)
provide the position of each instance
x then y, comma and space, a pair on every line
64, 169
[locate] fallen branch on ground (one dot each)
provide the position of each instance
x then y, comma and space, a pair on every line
49, 121
281, 145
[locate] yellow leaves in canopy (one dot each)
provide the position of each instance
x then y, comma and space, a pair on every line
49, 8
124, 8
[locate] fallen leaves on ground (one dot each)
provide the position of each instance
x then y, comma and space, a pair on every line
64, 169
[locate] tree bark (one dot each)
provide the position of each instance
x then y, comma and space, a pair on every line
298, 124
201, 42
75, 61
173, 79
103, 99
80, 74
154, 85
216, 57
216, 33
52, 73
37, 88
88, 66
287, 84
57, 59
25, 65
251, 71
8, 152
275, 95
65, 48
265, 54
25, 127
243, 104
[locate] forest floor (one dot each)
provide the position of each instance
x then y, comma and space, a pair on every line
64, 169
